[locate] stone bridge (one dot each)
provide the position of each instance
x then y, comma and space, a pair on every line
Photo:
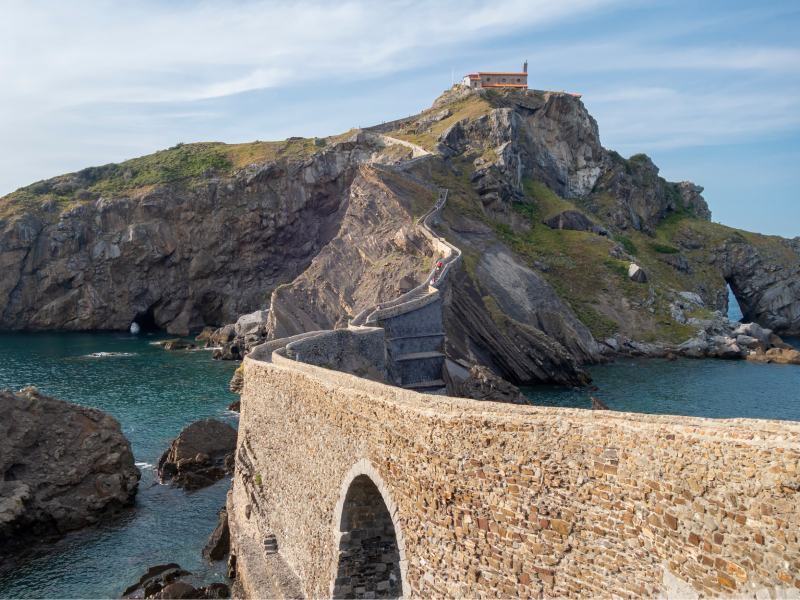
349, 488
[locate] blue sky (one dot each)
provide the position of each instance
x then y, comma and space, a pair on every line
710, 90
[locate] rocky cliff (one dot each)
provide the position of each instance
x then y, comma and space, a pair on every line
309, 232
99, 251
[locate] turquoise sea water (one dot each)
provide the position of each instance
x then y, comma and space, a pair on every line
717, 389
153, 394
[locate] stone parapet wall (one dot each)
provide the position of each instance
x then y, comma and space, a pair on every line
497, 500
329, 346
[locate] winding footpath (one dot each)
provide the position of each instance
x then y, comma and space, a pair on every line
414, 320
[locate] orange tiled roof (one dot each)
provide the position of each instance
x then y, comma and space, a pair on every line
514, 74
473, 76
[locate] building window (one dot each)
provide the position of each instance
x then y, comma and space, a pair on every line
518, 80
504, 79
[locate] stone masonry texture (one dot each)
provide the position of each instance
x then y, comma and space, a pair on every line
497, 501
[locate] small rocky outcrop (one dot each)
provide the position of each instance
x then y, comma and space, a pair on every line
164, 581
720, 338
766, 283
483, 384
64, 467
574, 221
176, 344
598, 404
196, 458
690, 193
637, 274
235, 406
219, 544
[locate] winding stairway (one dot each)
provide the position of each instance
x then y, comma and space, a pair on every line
413, 322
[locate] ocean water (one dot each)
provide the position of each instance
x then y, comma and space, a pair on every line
153, 393
717, 389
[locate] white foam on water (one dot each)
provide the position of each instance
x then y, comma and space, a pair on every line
109, 354
144, 465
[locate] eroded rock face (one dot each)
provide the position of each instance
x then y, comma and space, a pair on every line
485, 385
195, 459
766, 284
176, 258
65, 467
519, 353
377, 248
692, 198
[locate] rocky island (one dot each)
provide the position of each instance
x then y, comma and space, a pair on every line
387, 290
64, 467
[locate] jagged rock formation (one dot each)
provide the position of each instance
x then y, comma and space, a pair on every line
164, 581
64, 467
375, 252
519, 353
482, 384
195, 458
767, 289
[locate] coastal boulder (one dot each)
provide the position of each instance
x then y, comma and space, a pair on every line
783, 357
219, 544
637, 274
64, 467
195, 459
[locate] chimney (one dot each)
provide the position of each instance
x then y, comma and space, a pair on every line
525, 67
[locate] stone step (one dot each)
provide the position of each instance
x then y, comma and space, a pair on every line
436, 383
418, 356
270, 545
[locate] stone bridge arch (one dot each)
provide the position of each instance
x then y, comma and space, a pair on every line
369, 538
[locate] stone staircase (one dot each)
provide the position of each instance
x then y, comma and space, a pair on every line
413, 322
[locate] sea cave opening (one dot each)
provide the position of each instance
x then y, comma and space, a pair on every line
147, 321
735, 312
369, 557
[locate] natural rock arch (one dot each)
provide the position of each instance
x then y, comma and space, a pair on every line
369, 539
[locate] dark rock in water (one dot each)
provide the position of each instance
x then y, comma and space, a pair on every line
179, 590
592, 388
485, 385
154, 579
176, 344
235, 406
163, 581
193, 459
65, 467
598, 405
227, 352
230, 463
219, 544
237, 382
215, 590
192, 480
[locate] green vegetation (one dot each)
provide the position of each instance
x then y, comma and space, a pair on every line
258, 478
664, 249
627, 243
